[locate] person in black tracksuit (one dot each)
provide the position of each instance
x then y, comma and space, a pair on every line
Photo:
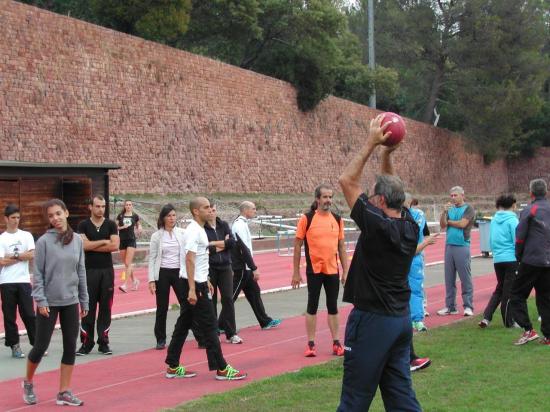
220, 273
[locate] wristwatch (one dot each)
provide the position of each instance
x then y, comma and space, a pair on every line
16, 255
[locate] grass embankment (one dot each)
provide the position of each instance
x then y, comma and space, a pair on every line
473, 370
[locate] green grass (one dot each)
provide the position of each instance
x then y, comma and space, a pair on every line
473, 370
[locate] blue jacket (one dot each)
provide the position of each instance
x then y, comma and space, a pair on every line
503, 236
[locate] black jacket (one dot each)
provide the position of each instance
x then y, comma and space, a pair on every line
241, 257
223, 258
533, 234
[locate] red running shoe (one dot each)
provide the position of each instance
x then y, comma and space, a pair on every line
527, 336
310, 351
420, 363
338, 349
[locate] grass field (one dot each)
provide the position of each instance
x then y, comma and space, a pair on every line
473, 370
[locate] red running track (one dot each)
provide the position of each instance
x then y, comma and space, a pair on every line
275, 270
135, 382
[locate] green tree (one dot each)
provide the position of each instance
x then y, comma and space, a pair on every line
478, 61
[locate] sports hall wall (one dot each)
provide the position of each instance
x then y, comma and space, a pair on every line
177, 122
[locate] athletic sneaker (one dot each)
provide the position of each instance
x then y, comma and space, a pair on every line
468, 312
105, 349
28, 393
67, 398
419, 326
527, 336
484, 323
230, 374
123, 289
16, 352
160, 345
420, 363
273, 324
83, 351
545, 341
446, 311
311, 351
337, 349
235, 339
179, 372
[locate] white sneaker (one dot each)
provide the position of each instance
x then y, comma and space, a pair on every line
468, 312
484, 323
446, 311
235, 339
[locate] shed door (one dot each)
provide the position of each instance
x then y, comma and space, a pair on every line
77, 191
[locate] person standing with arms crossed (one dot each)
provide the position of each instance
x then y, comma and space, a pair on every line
100, 236
197, 308
16, 249
221, 242
458, 219
379, 330
128, 228
322, 233
59, 289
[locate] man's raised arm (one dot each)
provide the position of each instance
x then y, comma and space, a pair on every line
350, 179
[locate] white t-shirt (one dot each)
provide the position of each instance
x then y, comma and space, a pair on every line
240, 228
21, 241
195, 240
170, 258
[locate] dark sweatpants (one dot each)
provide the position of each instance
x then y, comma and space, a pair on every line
14, 296
202, 316
530, 277
244, 280
168, 278
222, 278
100, 290
377, 353
505, 273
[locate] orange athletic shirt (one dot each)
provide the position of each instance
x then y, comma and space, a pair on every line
322, 240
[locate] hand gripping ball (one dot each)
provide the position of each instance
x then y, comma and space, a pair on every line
396, 127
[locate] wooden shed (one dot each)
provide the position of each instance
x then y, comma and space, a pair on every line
30, 184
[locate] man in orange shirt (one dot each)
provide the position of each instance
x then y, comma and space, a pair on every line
322, 232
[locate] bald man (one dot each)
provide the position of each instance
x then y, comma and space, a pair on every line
245, 271
197, 308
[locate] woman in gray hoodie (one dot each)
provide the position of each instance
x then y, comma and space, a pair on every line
59, 288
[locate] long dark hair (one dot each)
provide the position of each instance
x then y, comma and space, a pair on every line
65, 237
317, 195
163, 213
120, 216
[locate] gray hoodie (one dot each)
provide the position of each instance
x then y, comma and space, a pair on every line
60, 275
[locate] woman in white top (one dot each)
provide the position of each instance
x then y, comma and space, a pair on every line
165, 261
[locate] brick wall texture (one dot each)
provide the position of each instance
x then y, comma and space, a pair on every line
177, 122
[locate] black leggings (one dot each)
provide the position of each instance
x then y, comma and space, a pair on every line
332, 287
69, 320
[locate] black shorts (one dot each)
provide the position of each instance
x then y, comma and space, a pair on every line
332, 287
126, 243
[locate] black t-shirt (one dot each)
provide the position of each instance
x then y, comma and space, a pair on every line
378, 276
128, 233
98, 260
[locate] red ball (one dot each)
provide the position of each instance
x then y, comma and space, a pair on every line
396, 127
